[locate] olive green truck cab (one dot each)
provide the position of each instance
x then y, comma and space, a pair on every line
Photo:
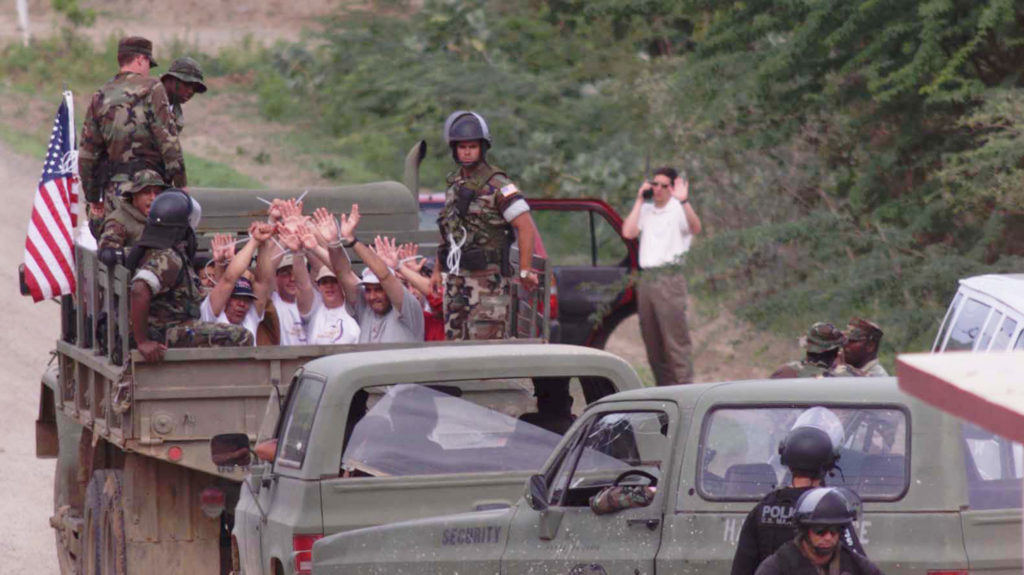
938, 495
374, 437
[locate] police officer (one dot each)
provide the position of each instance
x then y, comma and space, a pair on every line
810, 450
128, 127
824, 341
483, 212
822, 515
165, 294
181, 81
123, 227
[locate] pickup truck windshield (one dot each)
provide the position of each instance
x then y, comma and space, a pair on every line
741, 457
415, 429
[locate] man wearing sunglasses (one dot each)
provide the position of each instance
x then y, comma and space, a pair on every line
665, 229
822, 514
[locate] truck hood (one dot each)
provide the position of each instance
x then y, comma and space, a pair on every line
467, 542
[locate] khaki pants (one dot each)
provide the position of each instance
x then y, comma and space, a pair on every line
661, 305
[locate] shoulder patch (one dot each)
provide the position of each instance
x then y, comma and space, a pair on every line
509, 189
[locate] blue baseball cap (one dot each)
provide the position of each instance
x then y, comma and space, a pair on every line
243, 288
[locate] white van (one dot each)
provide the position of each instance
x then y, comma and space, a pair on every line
987, 314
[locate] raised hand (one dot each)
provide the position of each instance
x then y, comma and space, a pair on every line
308, 237
386, 251
681, 188
408, 256
289, 238
349, 223
324, 226
223, 248
261, 231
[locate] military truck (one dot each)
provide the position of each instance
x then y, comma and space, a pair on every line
938, 495
134, 489
380, 436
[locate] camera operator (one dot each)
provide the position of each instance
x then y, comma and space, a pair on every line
666, 229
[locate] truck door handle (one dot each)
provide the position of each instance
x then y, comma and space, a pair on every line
651, 524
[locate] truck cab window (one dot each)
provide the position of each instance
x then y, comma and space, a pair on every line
613, 444
298, 422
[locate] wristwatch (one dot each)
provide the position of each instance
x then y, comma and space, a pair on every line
523, 274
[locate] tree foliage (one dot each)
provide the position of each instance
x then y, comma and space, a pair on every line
848, 157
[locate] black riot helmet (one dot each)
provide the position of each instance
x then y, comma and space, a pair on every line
467, 126
811, 448
823, 506
167, 226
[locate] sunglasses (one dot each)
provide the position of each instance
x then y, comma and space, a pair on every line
822, 531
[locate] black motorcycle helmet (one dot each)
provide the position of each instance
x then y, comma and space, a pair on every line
823, 506
167, 226
808, 451
466, 126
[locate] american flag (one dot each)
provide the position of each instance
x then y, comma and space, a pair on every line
49, 248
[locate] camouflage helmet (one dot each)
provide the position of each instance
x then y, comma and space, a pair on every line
187, 70
862, 329
143, 179
824, 337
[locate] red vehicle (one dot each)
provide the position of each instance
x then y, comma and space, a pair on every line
590, 260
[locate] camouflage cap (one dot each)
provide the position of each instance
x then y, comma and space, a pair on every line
187, 70
861, 329
143, 179
136, 45
824, 337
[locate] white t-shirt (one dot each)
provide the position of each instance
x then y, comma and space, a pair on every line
664, 234
250, 322
330, 326
293, 325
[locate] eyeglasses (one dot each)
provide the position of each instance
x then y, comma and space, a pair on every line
822, 531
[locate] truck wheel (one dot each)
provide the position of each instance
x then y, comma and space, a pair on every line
103, 540
68, 497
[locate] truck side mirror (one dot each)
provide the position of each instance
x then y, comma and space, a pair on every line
537, 493
230, 450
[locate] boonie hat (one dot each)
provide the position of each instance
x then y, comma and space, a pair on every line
243, 288
187, 70
824, 337
143, 179
136, 45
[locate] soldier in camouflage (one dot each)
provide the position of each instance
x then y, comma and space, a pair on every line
824, 342
860, 354
128, 126
482, 213
123, 227
183, 80
165, 294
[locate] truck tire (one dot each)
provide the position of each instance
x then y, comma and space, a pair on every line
68, 496
103, 538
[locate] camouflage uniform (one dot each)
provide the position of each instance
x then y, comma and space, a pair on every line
128, 126
187, 70
859, 330
477, 298
174, 307
821, 338
123, 227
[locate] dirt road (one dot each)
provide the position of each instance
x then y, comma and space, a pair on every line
26, 539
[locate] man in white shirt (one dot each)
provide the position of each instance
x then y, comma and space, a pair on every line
666, 229
293, 298
331, 323
235, 299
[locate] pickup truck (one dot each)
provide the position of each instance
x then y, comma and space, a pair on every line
372, 437
938, 495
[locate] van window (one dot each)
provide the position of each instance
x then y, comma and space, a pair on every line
950, 314
994, 467
1020, 341
1002, 342
990, 330
298, 422
968, 326
740, 451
